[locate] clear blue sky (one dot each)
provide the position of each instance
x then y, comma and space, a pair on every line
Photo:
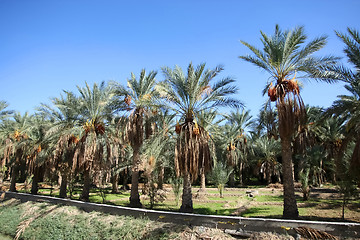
50, 46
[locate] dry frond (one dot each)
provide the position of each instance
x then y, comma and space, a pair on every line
291, 112
310, 233
134, 128
192, 151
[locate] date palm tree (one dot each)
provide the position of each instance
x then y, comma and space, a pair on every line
265, 154
227, 138
283, 55
140, 98
97, 104
348, 106
17, 145
206, 119
4, 114
187, 94
39, 152
240, 122
63, 134
266, 122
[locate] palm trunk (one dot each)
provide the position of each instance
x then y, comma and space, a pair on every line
134, 195
268, 173
355, 162
202, 180
232, 179
290, 206
96, 178
86, 187
340, 169
241, 165
14, 175
161, 178
63, 185
187, 204
115, 183
35, 181
125, 180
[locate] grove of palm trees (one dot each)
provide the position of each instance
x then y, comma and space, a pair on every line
189, 127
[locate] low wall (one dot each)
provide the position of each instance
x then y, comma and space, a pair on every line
340, 229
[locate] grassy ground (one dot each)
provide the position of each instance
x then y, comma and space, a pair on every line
324, 204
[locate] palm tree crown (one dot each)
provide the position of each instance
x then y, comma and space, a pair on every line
352, 51
188, 94
282, 56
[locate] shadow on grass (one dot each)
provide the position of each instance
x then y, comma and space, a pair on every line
262, 212
210, 211
269, 198
354, 206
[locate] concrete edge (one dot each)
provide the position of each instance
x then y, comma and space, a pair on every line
341, 229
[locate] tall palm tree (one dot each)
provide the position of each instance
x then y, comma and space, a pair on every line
63, 134
266, 122
206, 119
265, 154
187, 94
165, 125
39, 152
348, 106
283, 55
227, 137
17, 144
307, 136
4, 114
140, 98
116, 130
332, 138
241, 121
97, 104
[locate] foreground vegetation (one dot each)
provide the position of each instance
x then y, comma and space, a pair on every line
45, 221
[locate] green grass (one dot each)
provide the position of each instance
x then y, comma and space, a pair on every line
268, 198
263, 211
225, 198
272, 211
212, 209
215, 191
10, 217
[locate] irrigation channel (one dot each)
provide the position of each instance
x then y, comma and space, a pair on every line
228, 223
